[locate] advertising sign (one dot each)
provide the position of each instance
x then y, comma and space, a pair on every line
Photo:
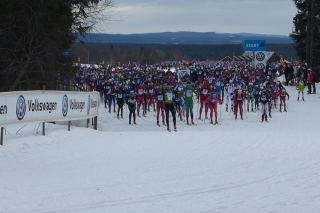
254, 45
182, 74
260, 59
40, 106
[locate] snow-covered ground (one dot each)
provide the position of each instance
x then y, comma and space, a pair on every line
239, 166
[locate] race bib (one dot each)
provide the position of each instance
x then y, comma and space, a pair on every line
189, 93
160, 98
151, 91
140, 91
119, 95
169, 96
239, 99
205, 91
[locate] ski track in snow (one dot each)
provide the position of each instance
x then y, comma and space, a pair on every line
238, 166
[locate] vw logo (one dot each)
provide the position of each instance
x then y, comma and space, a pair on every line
260, 66
260, 56
182, 74
88, 106
21, 107
65, 105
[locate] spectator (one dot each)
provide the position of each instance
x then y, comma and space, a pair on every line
311, 74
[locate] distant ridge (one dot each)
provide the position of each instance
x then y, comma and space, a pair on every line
185, 38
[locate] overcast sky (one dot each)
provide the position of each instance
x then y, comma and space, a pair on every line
225, 16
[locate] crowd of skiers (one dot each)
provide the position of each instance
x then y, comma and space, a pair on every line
157, 88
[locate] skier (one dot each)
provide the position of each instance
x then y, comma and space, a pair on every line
264, 103
112, 99
106, 91
139, 90
238, 99
229, 89
269, 92
301, 87
187, 92
151, 92
168, 100
132, 102
275, 96
178, 102
120, 100
159, 94
204, 94
283, 95
212, 101
250, 94
256, 97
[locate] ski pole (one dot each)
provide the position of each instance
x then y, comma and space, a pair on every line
220, 114
245, 110
197, 111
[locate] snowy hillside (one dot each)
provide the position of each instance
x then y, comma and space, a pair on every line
238, 166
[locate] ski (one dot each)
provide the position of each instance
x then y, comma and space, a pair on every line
175, 130
169, 130
158, 125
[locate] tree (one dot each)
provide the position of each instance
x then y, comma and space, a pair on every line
35, 34
306, 31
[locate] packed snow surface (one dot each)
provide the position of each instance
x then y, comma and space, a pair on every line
238, 166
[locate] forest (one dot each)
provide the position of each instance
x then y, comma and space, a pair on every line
99, 53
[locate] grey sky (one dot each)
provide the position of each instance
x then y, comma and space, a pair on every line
225, 16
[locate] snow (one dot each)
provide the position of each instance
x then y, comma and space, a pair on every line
238, 166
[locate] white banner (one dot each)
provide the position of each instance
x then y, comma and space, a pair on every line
182, 74
260, 59
46, 106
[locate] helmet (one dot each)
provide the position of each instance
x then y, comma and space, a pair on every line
140, 83
131, 92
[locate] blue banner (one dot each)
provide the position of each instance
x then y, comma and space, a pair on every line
255, 45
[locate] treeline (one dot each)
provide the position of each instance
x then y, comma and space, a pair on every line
35, 36
155, 53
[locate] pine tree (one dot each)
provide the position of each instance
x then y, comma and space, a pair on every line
34, 34
306, 31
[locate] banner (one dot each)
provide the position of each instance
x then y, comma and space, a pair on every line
46, 106
183, 74
260, 60
254, 45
